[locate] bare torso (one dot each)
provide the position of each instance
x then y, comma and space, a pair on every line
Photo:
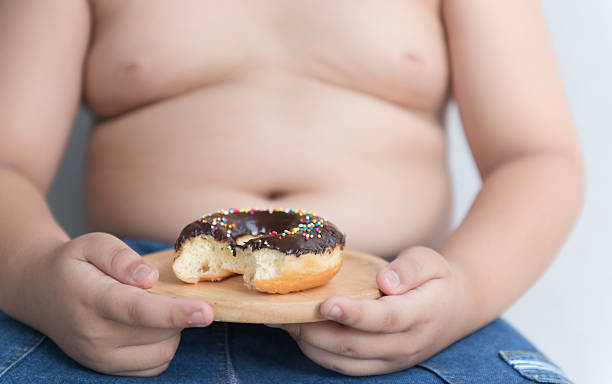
330, 107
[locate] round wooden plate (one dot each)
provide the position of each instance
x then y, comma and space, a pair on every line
232, 301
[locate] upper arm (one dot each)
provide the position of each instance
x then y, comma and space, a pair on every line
42, 48
506, 82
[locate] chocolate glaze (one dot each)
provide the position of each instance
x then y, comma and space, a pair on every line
288, 231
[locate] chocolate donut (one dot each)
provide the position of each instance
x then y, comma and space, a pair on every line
276, 250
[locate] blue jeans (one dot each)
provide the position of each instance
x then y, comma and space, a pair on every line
251, 353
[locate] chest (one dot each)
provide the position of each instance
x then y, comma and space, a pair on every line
146, 50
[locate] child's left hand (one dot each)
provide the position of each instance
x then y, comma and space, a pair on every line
425, 311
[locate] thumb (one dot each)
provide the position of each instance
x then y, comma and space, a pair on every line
410, 269
113, 257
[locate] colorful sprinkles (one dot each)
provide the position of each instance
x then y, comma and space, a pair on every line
309, 227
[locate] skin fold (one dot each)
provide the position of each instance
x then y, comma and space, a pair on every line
313, 106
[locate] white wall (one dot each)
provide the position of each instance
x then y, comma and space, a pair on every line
568, 314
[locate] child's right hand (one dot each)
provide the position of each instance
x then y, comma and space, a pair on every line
88, 297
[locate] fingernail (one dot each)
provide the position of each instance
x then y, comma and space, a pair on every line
391, 278
197, 318
334, 313
273, 325
142, 272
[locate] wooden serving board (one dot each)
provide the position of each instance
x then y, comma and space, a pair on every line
232, 301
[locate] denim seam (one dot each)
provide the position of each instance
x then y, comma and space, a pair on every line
233, 379
443, 373
11, 362
218, 355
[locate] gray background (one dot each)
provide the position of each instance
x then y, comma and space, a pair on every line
568, 313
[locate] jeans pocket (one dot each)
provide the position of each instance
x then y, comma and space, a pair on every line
16, 342
534, 366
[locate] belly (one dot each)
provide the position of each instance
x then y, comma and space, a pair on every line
272, 139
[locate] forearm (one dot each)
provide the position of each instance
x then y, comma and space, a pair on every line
27, 229
515, 227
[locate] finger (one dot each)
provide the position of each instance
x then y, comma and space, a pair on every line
345, 365
344, 341
113, 257
145, 373
410, 269
134, 306
135, 336
389, 314
143, 358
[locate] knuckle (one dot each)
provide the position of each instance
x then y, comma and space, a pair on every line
411, 347
132, 312
408, 353
355, 316
98, 360
345, 348
82, 240
95, 235
93, 338
422, 262
389, 320
426, 318
95, 303
410, 254
410, 261
166, 353
118, 257
174, 318
98, 300
91, 239
339, 364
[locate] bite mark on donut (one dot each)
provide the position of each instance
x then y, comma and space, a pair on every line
266, 270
